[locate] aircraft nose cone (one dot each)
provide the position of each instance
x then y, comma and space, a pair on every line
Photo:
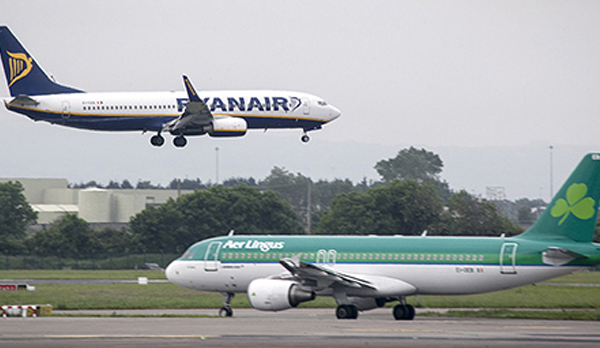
172, 273
334, 112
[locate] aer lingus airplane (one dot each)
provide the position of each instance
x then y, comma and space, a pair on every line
216, 113
361, 273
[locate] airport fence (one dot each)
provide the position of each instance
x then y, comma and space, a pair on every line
101, 262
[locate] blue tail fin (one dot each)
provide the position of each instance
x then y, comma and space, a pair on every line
572, 213
23, 75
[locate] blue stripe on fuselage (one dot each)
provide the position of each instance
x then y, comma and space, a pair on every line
153, 122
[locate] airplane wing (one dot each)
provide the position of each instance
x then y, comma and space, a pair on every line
196, 114
320, 277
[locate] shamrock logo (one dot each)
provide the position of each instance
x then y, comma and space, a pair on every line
581, 207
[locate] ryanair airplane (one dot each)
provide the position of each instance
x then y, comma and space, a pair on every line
362, 273
216, 113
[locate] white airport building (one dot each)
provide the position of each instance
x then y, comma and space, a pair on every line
52, 198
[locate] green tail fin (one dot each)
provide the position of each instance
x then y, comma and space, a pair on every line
572, 213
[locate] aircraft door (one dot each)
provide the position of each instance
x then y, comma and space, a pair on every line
508, 258
321, 257
66, 110
211, 259
306, 106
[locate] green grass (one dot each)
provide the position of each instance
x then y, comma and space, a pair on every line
166, 295
169, 296
585, 277
524, 297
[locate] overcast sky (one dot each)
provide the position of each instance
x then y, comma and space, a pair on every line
488, 85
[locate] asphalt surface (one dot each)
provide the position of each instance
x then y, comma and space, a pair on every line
292, 328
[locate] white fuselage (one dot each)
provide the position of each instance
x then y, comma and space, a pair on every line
428, 279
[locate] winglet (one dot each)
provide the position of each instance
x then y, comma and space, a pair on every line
192, 95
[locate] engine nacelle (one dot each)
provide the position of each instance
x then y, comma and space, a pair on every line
228, 127
277, 295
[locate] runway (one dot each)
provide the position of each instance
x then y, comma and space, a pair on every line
293, 328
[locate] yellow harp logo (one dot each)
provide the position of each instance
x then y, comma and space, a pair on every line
20, 66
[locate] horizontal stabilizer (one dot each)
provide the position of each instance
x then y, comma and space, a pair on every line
559, 256
24, 100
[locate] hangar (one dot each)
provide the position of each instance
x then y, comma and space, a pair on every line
52, 198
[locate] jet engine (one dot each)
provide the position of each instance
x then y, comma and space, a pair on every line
228, 127
276, 295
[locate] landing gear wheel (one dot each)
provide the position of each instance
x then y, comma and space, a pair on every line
225, 312
346, 312
157, 140
305, 138
404, 312
179, 141
411, 312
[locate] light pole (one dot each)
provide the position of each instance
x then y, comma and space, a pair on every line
217, 160
551, 179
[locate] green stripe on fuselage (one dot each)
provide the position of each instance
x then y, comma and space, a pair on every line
379, 250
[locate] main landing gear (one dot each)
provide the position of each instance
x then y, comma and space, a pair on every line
346, 312
158, 140
305, 138
226, 310
179, 141
404, 312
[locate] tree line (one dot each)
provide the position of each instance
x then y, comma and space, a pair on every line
410, 199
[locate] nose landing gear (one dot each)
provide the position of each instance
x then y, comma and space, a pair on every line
226, 310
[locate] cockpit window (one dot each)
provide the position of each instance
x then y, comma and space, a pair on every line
188, 255
322, 103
